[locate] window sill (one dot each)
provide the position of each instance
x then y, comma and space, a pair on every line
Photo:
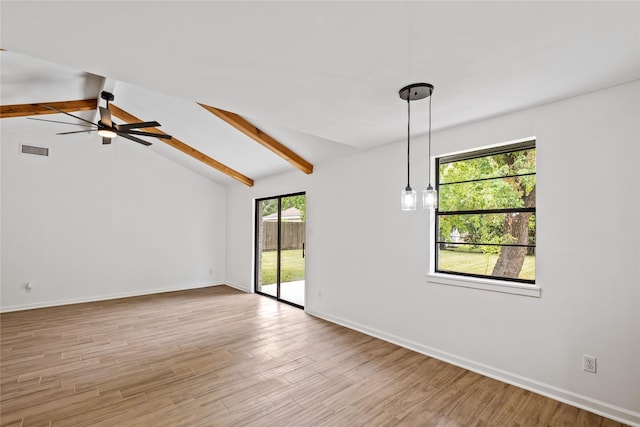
485, 284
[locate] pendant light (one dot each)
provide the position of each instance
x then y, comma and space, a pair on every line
429, 195
412, 92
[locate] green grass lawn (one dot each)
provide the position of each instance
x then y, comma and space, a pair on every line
479, 263
464, 262
291, 266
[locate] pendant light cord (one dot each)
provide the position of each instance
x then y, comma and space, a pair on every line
408, 135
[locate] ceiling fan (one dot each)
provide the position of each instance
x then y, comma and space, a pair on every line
106, 128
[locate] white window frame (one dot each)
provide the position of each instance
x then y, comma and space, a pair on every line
484, 284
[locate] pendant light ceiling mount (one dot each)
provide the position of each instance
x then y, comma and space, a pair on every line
416, 91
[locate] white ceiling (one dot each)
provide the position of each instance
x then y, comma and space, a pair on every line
322, 77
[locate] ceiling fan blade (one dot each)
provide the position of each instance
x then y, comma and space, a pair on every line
133, 138
106, 140
127, 126
58, 121
142, 133
105, 117
76, 131
68, 114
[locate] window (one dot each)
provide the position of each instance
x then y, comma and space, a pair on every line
486, 219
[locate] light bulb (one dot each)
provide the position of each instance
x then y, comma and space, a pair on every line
107, 133
429, 198
408, 199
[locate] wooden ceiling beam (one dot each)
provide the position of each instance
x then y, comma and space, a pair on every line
22, 110
186, 149
260, 137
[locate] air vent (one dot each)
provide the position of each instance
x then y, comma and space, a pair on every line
38, 151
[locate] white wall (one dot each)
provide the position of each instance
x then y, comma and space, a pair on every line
93, 222
369, 272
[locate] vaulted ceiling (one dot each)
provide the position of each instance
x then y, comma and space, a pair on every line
316, 80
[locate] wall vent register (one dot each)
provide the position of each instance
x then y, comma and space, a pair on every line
30, 149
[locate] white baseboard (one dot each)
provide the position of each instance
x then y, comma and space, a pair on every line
592, 405
238, 287
94, 298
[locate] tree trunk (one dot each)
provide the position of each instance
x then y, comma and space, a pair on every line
511, 258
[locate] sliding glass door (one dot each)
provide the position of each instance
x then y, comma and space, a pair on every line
280, 247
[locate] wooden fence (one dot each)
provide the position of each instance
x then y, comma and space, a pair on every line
292, 235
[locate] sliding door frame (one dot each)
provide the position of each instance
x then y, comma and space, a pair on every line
257, 248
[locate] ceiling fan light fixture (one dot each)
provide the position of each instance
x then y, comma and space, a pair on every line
107, 133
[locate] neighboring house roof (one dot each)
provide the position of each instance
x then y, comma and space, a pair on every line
290, 214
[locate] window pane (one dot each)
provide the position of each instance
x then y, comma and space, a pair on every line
474, 230
266, 246
491, 166
497, 193
516, 263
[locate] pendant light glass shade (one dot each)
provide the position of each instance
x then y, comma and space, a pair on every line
429, 198
408, 199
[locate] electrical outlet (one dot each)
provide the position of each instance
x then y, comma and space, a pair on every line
589, 363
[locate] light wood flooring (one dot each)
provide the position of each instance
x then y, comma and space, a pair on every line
220, 357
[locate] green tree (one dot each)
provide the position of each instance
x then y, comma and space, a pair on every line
270, 206
299, 202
